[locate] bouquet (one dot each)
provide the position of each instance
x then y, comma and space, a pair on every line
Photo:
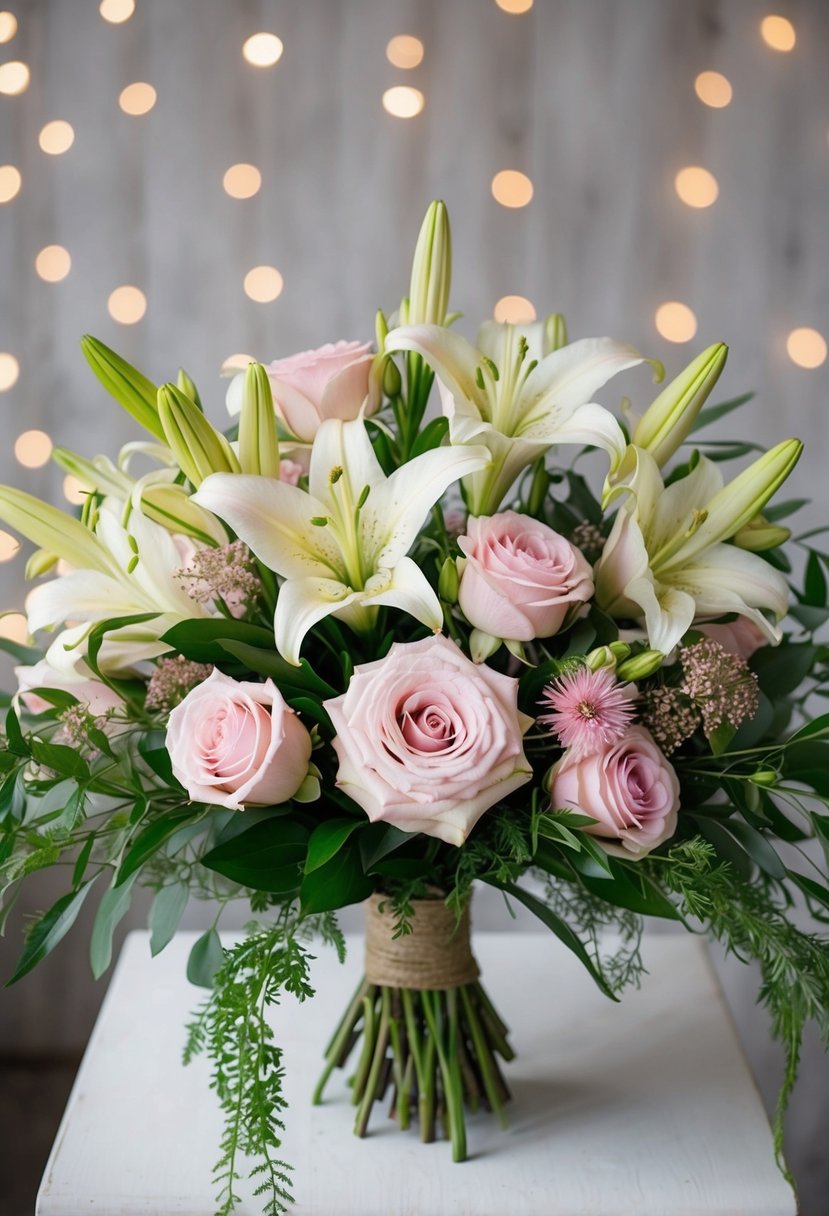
353, 650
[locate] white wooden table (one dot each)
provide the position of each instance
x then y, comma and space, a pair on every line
639, 1109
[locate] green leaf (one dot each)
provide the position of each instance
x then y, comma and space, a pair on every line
431, 436
377, 840
112, 909
14, 736
560, 928
336, 884
712, 413
205, 959
151, 839
720, 737
95, 639
201, 639
781, 510
814, 585
818, 726
165, 914
25, 656
757, 847
815, 890
64, 760
83, 859
152, 750
727, 847
267, 857
327, 839
50, 930
781, 669
627, 888
268, 663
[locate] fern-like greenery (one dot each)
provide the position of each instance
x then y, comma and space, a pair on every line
591, 918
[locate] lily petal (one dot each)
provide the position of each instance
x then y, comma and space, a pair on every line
345, 446
301, 603
727, 579
82, 595
668, 611
410, 590
453, 360
568, 377
588, 424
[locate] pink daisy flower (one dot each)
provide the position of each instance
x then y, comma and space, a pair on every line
589, 709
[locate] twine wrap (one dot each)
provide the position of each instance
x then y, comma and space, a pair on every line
436, 955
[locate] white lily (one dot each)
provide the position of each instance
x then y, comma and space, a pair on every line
342, 546
517, 396
665, 560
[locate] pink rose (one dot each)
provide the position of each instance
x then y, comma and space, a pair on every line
741, 637
329, 382
236, 744
628, 787
98, 698
520, 578
427, 740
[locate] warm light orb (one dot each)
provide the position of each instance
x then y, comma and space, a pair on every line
263, 284
405, 51
138, 98
778, 33
696, 186
237, 363
116, 11
515, 6
242, 181
32, 449
9, 371
713, 89
515, 310
56, 137
53, 263
14, 77
127, 304
263, 50
74, 490
14, 627
402, 101
10, 183
511, 188
676, 322
8, 26
9, 546
806, 347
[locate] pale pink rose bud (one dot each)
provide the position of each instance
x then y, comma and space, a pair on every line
95, 696
233, 743
741, 637
628, 787
427, 740
520, 579
329, 382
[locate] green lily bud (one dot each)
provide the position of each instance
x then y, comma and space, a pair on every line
431, 269
759, 535
199, 449
52, 529
391, 379
258, 440
641, 665
555, 332
40, 562
99, 474
607, 656
128, 386
449, 581
381, 328
765, 777
173, 508
669, 419
188, 388
539, 488
482, 645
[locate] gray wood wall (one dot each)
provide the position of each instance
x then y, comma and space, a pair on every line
594, 100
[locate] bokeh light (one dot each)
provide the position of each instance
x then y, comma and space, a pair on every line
9, 371
511, 188
242, 181
14, 77
405, 51
778, 33
14, 627
53, 263
713, 89
9, 546
10, 182
806, 347
138, 98
8, 26
402, 101
56, 137
116, 11
74, 490
263, 50
516, 310
515, 6
263, 284
32, 449
696, 186
127, 304
675, 321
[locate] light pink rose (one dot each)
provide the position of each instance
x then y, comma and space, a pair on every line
236, 744
520, 578
290, 472
427, 740
628, 787
98, 698
329, 382
741, 637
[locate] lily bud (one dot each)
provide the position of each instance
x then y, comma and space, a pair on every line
607, 656
641, 665
128, 386
52, 529
539, 487
431, 269
670, 418
258, 440
482, 645
759, 535
173, 508
40, 562
765, 777
555, 332
381, 328
199, 449
391, 379
188, 387
449, 581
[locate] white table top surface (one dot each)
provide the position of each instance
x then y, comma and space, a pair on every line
645, 1108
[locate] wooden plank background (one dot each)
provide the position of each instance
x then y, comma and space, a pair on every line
593, 100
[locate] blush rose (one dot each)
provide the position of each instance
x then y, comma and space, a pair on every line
629, 788
95, 696
520, 579
234, 743
427, 740
329, 382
